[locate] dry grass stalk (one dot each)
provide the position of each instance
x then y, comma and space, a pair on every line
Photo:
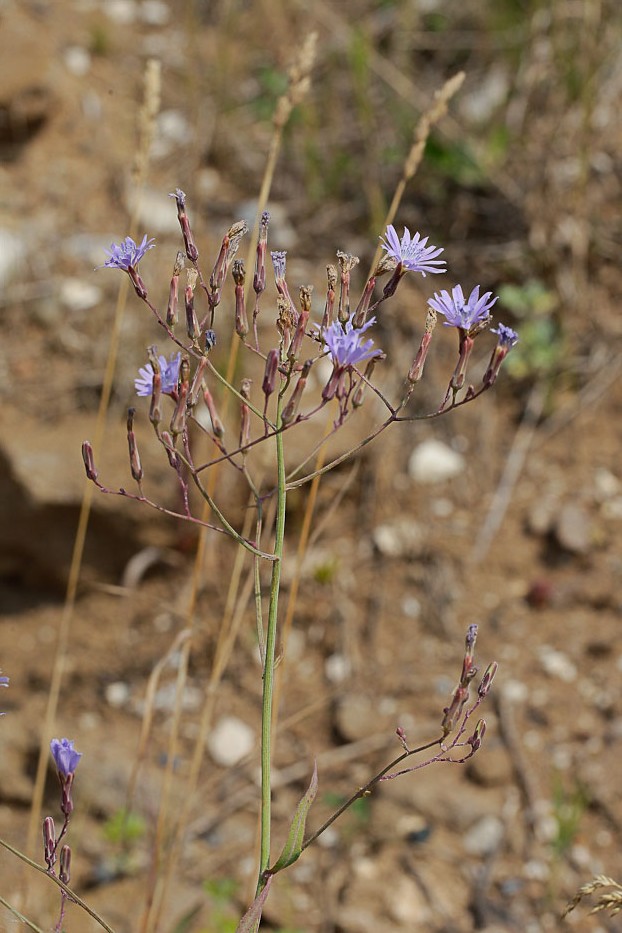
610, 900
147, 115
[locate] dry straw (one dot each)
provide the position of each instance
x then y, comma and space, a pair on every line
146, 122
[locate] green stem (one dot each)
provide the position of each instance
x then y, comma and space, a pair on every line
270, 652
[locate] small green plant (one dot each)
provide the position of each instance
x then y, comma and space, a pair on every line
568, 809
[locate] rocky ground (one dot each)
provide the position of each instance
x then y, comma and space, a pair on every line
505, 513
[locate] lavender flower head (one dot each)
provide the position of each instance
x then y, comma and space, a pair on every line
4, 682
170, 376
508, 338
412, 252
66, 758
345, 346
127, 254
460, 312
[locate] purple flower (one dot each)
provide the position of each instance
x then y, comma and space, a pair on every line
170, 376
128, 254
4, 682
345, 345
66, 758
412, 252
460, 312
508, 338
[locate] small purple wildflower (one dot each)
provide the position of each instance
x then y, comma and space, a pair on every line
508, 338
345, 345
66, 758
170, 376
465, 314
412, 252
4, 682
127, 254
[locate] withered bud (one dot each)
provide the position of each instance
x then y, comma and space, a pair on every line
191, 251
171, 453
385, 264
228, 249
416, 370
135, 464
173, 294
285, 321
269, 379
359, 394
346, 261
360, 313
197, 384
65, 865
184, 369
178, 419
305, 298
245, 414
217, 426
331, 274
239, 277
192, 323
486, 682
89, 461
259, 279
155, 408
291, 409
303, 320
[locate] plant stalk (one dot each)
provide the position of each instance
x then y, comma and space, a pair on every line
270, 655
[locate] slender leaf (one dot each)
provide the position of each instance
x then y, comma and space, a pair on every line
293, 846
252, 918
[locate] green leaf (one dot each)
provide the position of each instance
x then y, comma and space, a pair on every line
252, 918
293, 846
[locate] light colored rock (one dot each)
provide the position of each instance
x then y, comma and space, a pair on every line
117, 694
155, 12
122, 12
573, 529
77, 60
400, 538
484, 837
557, 664
434, 462
230, 741
12, 253
79, 295
336, 668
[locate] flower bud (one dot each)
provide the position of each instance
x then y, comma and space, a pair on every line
486, 681
49, 842
65, 865
89, 462
135, 464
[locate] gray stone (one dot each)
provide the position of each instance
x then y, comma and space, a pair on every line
573, 529
230, 741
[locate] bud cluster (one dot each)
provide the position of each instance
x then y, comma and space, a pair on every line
292, 370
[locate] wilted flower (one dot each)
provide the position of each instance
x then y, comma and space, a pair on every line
66, 758
462, 313
127, 254
412, 252
344, 343
170, 376
508, 338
